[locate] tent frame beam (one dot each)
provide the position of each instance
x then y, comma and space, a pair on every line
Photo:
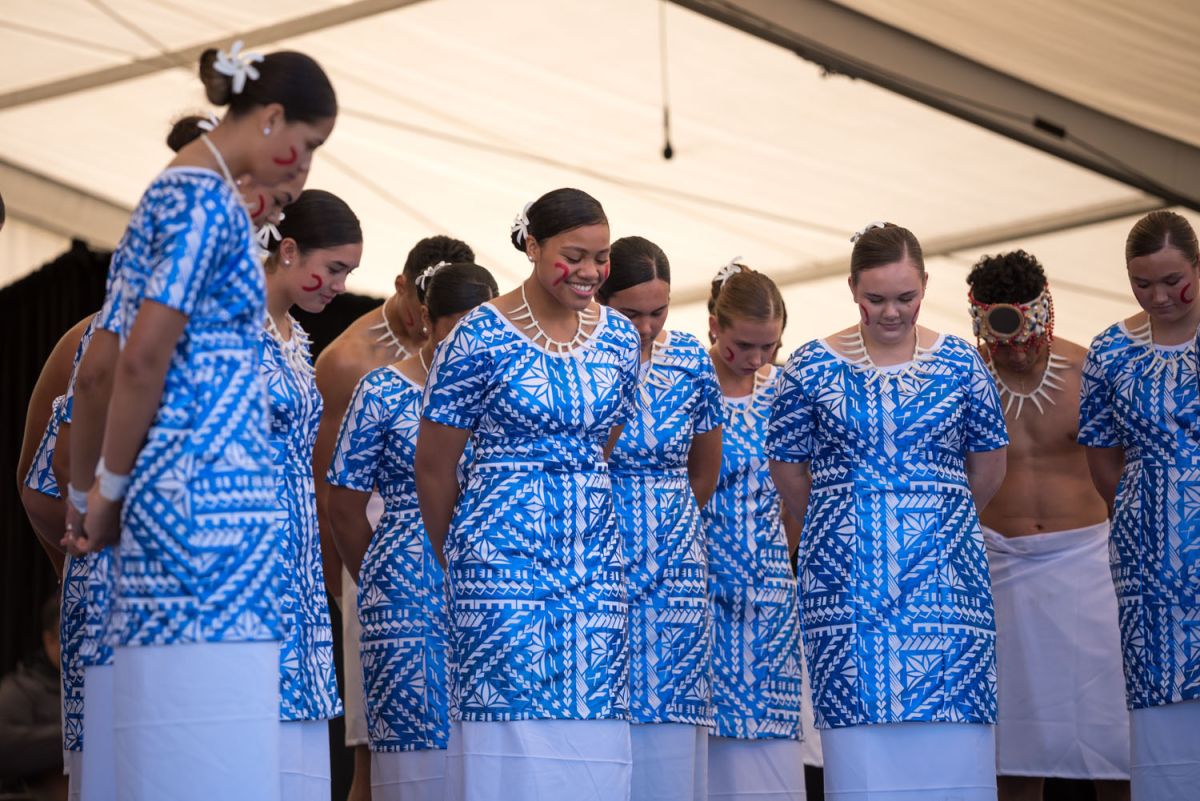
846, 42
61, 208
188, 56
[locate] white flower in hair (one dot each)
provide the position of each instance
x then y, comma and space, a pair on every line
729, 270
208, 124
238, 65
520, 225
866, 228
428, 273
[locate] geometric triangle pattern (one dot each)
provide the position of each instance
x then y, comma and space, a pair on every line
401, 596
757, 678
536, 570
669, 616
94, 568
198, 559
896, 595
72, 605
1145, 398
307, 682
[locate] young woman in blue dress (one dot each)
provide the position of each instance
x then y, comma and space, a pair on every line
185, 478
664, 469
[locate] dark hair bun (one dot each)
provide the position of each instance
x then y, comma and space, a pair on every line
184, 131
218, 88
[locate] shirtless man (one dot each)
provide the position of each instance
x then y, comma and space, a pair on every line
379, 337
1060, 687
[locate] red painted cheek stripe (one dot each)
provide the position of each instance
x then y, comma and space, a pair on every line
1184, 297
916, 313
262, 204
315, 285
729, 355
866, 315
291, 159
562, 268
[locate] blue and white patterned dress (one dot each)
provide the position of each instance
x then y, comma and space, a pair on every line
897, 601
1144, 398
199, 552
95, 568
670, 621
308, 684
401, 595
73, 605
756, 625
536, 578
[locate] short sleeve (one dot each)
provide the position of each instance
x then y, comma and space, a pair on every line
1097, 426
361, 439
792, 430
194, 242
460, 376
710, 408
986, 429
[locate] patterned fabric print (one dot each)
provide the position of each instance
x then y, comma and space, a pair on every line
897, 601
199, 552
756, 625
536, 581
669, 616
1144, 399
401, 596
94, 568
308, 684
40, 478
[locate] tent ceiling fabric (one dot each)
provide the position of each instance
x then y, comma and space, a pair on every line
1137, 61
457, 112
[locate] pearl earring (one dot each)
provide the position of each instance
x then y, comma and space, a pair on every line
267, 131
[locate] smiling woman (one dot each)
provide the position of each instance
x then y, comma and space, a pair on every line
540, 380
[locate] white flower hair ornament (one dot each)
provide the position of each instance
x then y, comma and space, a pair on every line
428, 273
859, 233
520, 224
732, 268
209, 123
238, 66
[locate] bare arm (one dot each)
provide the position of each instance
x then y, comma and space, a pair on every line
46, 515
613, 436
794, 481
347, 510
1106, 466
336, 378
704, 465
792, 528
89, 409
439, 447
137, 393
51, 383
985, 474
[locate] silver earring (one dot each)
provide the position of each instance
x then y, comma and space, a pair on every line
267, 131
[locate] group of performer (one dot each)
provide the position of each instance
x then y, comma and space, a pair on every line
568, 532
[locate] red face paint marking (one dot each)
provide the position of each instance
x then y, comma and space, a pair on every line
315, 285
916, 313
411, 321
262, 204
1184, 297
291, 159
562, 268
729, 355
866, 315
604, 271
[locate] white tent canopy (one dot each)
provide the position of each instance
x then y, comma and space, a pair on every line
457, 112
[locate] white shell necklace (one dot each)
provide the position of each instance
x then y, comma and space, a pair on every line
388, 336
523, 317
221, 163
295, 350
1163, 358
858, 355
1051, 382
